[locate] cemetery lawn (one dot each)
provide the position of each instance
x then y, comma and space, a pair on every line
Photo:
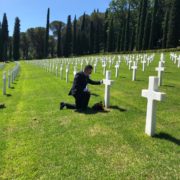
38, 141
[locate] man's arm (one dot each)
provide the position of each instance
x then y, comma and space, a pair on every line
94, 82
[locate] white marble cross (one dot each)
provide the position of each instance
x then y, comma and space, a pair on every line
104, 68
9, 79
56, 71
95, 67
152, 96
67, 73
160, 69
4, 83
61, 71
117, 70
81, 65
134, 68
162, 58
129, 62
107, 82
178, 61
75, 70
143, 67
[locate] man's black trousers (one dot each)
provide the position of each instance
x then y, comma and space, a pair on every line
81, 101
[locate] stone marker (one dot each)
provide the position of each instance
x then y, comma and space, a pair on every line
134, 68
160, 69
152, 96
107, 83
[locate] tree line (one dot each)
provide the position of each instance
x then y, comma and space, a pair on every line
127, 25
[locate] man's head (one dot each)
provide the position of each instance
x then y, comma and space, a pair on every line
88, 70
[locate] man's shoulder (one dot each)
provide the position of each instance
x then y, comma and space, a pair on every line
80, 73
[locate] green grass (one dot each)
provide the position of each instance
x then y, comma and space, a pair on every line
38, 141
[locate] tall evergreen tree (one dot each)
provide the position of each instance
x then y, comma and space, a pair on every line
5, 38
96, 43
91, 38
153, 23
16, 40
138, 24
126, 38
59, 41
174, 25
165, 28
123, 35
111, 40
74, 36
105, 30
46, 50
10, 56
68, 38
142, 23
84, 38
132, 41
145, 42
1, 45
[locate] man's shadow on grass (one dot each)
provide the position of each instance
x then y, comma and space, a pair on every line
167, 137
118, 108
91, 111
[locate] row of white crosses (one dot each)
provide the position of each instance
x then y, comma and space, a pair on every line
57, 65
11, 77
2, 65
175, 58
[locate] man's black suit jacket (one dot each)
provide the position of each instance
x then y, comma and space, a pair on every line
80, 83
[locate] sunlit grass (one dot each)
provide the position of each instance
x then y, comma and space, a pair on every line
37, 140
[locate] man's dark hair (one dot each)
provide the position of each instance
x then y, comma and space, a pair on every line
88, 67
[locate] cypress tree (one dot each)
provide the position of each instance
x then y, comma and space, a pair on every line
110, 42
59, 41
46, 50
84, 39
1, 46
153, 22
91, 38
68, 38
96, 45
119, 42
145, 42
75, 36
126, 38
165, 28
105, 30
142, 22
174, 25
16, 40
138, 25
132, 40
10, 49
122, 36
5, 37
